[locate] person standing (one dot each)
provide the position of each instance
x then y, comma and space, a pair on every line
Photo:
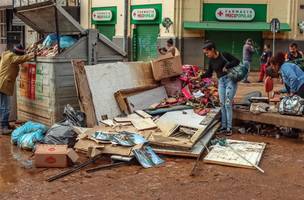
9, 68
170, 48
292, 75
265, 58
248, 51
220, 63
293, 52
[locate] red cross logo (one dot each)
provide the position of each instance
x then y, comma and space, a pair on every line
220, 13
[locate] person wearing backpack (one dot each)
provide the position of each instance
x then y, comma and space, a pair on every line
221, 63
292, 75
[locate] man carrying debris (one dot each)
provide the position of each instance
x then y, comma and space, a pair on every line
9, 68
170, 48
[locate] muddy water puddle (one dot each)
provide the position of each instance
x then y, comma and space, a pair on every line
14, 164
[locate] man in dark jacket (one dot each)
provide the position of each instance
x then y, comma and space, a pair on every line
9, 69
248, 51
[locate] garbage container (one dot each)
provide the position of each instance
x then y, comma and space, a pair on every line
46, 84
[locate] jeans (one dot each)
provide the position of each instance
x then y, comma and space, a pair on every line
247, 65
227, 90
4, 110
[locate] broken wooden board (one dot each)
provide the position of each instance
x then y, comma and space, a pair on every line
121, 96
143, 114
106, 79
143, 124
187, 118
84, 93
224, 155
145, 99
85, 142
194, 152
128, 118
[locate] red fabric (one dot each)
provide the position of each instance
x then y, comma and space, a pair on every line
262, 72
268, 84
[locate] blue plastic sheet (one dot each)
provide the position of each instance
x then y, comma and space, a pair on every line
65, 41
28, 135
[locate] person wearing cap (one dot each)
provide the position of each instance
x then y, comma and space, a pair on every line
170, 48
248, 51
9, 68
220, 63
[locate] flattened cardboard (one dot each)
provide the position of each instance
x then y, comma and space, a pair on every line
72, 155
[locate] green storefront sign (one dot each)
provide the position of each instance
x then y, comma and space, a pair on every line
146, 14
146, 20
105, 19
237, 14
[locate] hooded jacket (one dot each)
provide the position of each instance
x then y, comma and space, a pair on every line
9, 68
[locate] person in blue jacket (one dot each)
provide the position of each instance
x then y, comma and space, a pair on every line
292, 75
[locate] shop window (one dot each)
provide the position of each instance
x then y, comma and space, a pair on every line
3, 27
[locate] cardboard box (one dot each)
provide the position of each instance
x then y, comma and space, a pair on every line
166, 66
51, 155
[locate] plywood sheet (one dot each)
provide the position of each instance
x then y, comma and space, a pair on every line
224, 155
145, 99
143, 124
105, 79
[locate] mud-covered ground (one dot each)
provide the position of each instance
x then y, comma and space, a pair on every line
283, 162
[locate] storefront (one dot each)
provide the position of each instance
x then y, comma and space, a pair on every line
105, 19
229, 25
145, 20
11, 28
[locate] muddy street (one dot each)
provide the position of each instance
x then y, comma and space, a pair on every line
283, 162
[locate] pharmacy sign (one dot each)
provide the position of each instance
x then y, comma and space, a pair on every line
235, 14
145, 14
102, 15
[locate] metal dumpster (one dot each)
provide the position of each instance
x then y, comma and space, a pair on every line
46, 84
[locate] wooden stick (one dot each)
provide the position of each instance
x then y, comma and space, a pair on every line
252, 164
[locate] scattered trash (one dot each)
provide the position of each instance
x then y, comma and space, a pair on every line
59, 134
147, 157
28, 135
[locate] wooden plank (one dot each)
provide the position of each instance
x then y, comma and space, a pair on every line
84, 93
145, 99
143, 124
121, 96
143, 114
270, 118
224, 155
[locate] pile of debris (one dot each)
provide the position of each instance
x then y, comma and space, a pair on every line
49, 46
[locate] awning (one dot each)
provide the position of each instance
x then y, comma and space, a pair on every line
233, 26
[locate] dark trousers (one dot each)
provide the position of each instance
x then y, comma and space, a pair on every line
301, 91
4, 110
